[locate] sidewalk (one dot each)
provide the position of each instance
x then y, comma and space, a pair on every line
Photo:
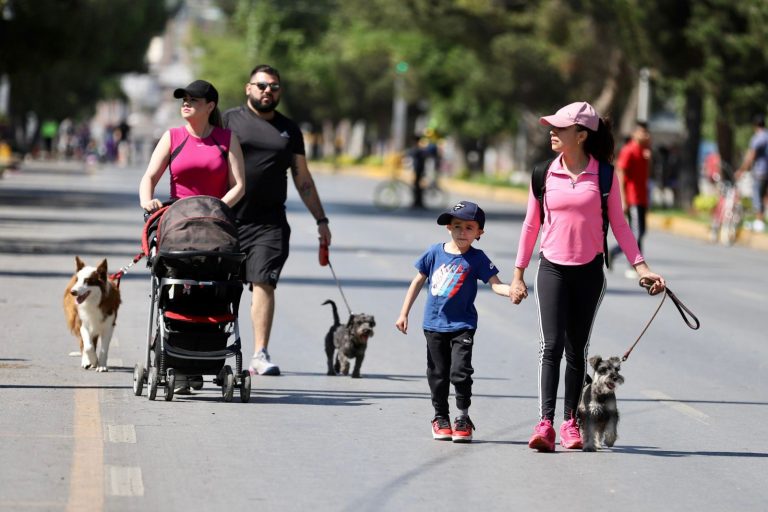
669, 223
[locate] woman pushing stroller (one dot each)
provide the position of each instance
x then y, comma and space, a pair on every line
203, 158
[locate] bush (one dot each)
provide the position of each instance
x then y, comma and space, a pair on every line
704, 203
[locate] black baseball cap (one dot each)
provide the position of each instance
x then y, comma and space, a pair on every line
464, 210
199, 89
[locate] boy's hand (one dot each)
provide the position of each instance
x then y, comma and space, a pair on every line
402, 324
518, 291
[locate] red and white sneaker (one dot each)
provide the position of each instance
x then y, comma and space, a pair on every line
462, 429
570, 437
543, 438
441, 428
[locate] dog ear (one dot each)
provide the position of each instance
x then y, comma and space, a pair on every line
79, 263
594, 361
102, 268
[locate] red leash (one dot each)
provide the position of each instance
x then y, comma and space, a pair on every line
120, 273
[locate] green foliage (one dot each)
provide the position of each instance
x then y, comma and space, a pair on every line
60, 56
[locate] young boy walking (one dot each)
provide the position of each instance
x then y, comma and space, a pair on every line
450, 318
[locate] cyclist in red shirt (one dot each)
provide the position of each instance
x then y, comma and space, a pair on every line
633, 170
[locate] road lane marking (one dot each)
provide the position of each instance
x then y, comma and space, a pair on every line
676, 405
86, 487
748, 294
124, 481
121, 434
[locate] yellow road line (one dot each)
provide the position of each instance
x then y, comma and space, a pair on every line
86, 489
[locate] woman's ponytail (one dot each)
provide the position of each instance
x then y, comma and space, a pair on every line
600, 143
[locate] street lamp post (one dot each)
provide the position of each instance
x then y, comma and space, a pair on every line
399, 108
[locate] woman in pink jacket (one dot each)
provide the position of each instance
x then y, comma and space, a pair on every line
570, 282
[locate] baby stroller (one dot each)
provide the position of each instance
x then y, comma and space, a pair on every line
192, 249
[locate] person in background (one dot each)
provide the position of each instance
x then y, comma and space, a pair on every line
570, 282
756, 161
418, 157
633, 167
272, 143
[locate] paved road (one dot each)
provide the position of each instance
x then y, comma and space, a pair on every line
692, 406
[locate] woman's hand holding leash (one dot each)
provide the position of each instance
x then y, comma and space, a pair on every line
654, 283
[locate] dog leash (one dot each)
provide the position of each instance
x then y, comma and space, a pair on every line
120, 273
325, 260
682, 308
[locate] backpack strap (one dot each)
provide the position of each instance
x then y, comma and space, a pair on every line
605, 177
538, 184
176, 151
224, 152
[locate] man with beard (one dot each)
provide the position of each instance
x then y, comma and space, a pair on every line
271, 145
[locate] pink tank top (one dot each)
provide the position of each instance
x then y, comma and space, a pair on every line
201, 167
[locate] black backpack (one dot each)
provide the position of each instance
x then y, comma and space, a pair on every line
605, 178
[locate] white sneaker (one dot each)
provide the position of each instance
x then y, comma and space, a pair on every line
758, 226
631, 274
261, 364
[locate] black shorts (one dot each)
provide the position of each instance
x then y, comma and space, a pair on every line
266, 249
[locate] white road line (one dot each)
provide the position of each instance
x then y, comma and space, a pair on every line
124, 481
121, 434
748, 294
678, 406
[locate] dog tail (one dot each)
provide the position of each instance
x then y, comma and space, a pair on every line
336, 320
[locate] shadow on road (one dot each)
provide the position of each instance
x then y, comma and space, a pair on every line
656, 452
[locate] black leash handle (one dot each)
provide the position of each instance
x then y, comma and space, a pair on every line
682, 308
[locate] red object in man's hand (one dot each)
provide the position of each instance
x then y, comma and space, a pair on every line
322, 254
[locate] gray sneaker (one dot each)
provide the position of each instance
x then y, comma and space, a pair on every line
261, 364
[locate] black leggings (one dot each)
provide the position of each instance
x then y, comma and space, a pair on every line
568, 297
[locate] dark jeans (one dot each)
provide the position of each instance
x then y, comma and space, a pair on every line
449, 361
636, 218
568, 297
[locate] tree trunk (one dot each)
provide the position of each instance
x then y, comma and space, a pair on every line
689, 171
725, 144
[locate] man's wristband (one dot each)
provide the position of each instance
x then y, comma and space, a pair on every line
322, 220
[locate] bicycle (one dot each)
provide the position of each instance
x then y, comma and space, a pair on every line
395, 192
728, 214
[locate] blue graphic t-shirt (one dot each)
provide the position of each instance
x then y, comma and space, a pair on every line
452, 287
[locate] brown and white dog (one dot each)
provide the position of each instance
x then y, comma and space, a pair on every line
90, 307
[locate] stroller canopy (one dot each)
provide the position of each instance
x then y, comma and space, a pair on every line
198, 223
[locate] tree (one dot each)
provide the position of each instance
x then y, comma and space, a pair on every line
61, 56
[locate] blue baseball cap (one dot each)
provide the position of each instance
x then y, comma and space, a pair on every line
464, 210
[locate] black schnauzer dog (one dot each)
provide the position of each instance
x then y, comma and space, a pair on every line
598, 414
347, 341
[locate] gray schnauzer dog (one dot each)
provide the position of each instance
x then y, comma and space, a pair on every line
347, 341
598, 414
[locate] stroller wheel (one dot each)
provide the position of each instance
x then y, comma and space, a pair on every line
152, 383
245, 386
227, 383
138, 379
170, 384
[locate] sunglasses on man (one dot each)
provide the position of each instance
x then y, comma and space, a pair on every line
263, 85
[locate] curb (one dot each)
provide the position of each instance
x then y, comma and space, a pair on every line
675, 225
